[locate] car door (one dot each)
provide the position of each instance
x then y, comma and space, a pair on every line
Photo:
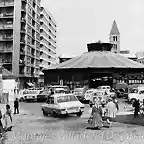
50, 105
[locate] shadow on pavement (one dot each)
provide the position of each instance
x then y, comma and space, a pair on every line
129, 119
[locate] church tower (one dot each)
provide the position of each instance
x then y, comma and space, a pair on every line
114, 38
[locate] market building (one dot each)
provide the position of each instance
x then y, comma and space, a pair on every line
98, 66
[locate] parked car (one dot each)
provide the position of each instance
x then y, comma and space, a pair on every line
42, 96
62, 104
98, 95
88, 94
122, 90
136, 94
80, 93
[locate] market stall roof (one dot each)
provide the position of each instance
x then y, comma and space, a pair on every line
98, 59
7, 74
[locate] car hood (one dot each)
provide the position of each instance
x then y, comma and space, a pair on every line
65, 105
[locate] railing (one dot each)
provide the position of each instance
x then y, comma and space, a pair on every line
6, 38
6, 49
5, 26
6, 61
7, 3
6, 15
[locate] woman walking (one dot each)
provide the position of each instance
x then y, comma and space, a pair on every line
7, 119
111, 111
96, 117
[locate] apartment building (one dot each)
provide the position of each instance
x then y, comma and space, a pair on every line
20, 39
48, 46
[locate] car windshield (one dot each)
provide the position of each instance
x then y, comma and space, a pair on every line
88, 92
67, 98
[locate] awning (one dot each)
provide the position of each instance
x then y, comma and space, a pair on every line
41, 73
30, 84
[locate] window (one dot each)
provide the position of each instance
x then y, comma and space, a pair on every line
38, 10
38, 27
29, 20
141, 92
38, 18
50, 100
37, 36
28, 50
28, 60
29, 9
114, 38
37, 45
29, 40
29, 29
28, 70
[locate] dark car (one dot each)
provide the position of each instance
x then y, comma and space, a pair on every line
42, 96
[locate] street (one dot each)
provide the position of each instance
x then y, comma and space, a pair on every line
31, 127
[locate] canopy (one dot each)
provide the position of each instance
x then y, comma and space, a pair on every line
97, 59
7, 74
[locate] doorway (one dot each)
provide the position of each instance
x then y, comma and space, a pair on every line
100, 79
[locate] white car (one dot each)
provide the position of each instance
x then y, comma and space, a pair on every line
88, 94
136, 94
62, 104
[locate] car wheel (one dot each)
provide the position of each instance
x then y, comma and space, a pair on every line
79, 114
44, 113
54, 114
132, 100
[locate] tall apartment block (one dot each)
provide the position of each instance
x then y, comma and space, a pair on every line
47, 39
20, 39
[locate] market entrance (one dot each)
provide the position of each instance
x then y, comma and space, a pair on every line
100, 79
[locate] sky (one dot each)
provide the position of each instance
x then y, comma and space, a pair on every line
84, 21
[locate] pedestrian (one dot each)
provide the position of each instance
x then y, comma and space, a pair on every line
7, 119
111, 111
136, 106
16, 106
96, 115
1, 125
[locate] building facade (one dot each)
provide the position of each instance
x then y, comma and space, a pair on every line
20, 39
114, 38
48, 39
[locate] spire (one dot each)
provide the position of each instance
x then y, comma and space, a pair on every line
114, 29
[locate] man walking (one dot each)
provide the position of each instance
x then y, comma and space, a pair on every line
16, 106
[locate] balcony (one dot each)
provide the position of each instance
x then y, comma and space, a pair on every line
6, 50
7, 15
6, 61
24, 1
7, 3
6, 26
6, 38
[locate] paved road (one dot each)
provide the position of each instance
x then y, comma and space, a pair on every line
32, 127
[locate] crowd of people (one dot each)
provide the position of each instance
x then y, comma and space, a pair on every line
103, 111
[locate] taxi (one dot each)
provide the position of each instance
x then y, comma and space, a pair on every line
62, 104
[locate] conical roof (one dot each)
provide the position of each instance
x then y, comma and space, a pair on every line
114, 29
97, 59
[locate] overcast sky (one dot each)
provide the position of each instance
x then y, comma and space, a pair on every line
83, 21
